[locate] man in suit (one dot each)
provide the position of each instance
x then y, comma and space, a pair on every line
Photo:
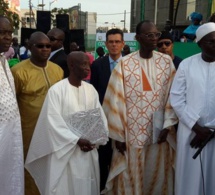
58, 55
100, 74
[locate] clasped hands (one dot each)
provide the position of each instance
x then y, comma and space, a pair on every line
85, 145
202, 134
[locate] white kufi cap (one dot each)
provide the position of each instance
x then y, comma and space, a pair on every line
204, 29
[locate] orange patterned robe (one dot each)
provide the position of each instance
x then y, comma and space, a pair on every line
137, 88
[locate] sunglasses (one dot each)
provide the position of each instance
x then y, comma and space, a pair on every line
41, 46
167, 43
54, 39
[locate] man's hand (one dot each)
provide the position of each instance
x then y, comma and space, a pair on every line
85, 145
202, 133
196, 142
121, 147
163, 135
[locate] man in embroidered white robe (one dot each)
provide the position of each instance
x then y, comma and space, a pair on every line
61, 162
11, 146
193, 98
139, 86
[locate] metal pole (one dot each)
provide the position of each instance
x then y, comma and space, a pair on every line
171, 10
50, 3
156, 10
42, 5
176, 12
142, 10
209, 12
30, 9
124, 19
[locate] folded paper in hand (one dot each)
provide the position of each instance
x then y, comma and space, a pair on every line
158, 121
88, 125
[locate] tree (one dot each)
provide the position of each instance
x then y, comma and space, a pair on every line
56, 11
12, 16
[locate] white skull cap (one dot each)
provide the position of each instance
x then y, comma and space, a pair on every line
204, 29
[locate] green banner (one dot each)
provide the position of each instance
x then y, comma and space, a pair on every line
129, 39
183, 50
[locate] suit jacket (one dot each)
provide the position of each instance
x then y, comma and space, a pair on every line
177, 61
100, 74
60, 58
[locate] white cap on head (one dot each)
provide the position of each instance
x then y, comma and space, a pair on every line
204, 29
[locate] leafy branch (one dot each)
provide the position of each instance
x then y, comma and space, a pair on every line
12, 16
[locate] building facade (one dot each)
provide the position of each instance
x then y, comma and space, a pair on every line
159, 11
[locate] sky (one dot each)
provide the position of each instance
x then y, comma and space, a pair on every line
109, 12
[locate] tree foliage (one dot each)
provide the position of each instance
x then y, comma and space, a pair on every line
56, 11
12, 16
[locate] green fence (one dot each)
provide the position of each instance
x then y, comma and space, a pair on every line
184, 50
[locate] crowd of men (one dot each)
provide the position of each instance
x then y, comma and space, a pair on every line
156, 109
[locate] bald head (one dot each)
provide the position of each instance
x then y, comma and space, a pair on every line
143, 25
56, 33
56, 37
37, 37
40, 47
76, 57
79, 65
6, 34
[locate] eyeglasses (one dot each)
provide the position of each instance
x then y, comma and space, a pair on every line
114, 41
167, 43
153, 35
54, 39
41, 46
